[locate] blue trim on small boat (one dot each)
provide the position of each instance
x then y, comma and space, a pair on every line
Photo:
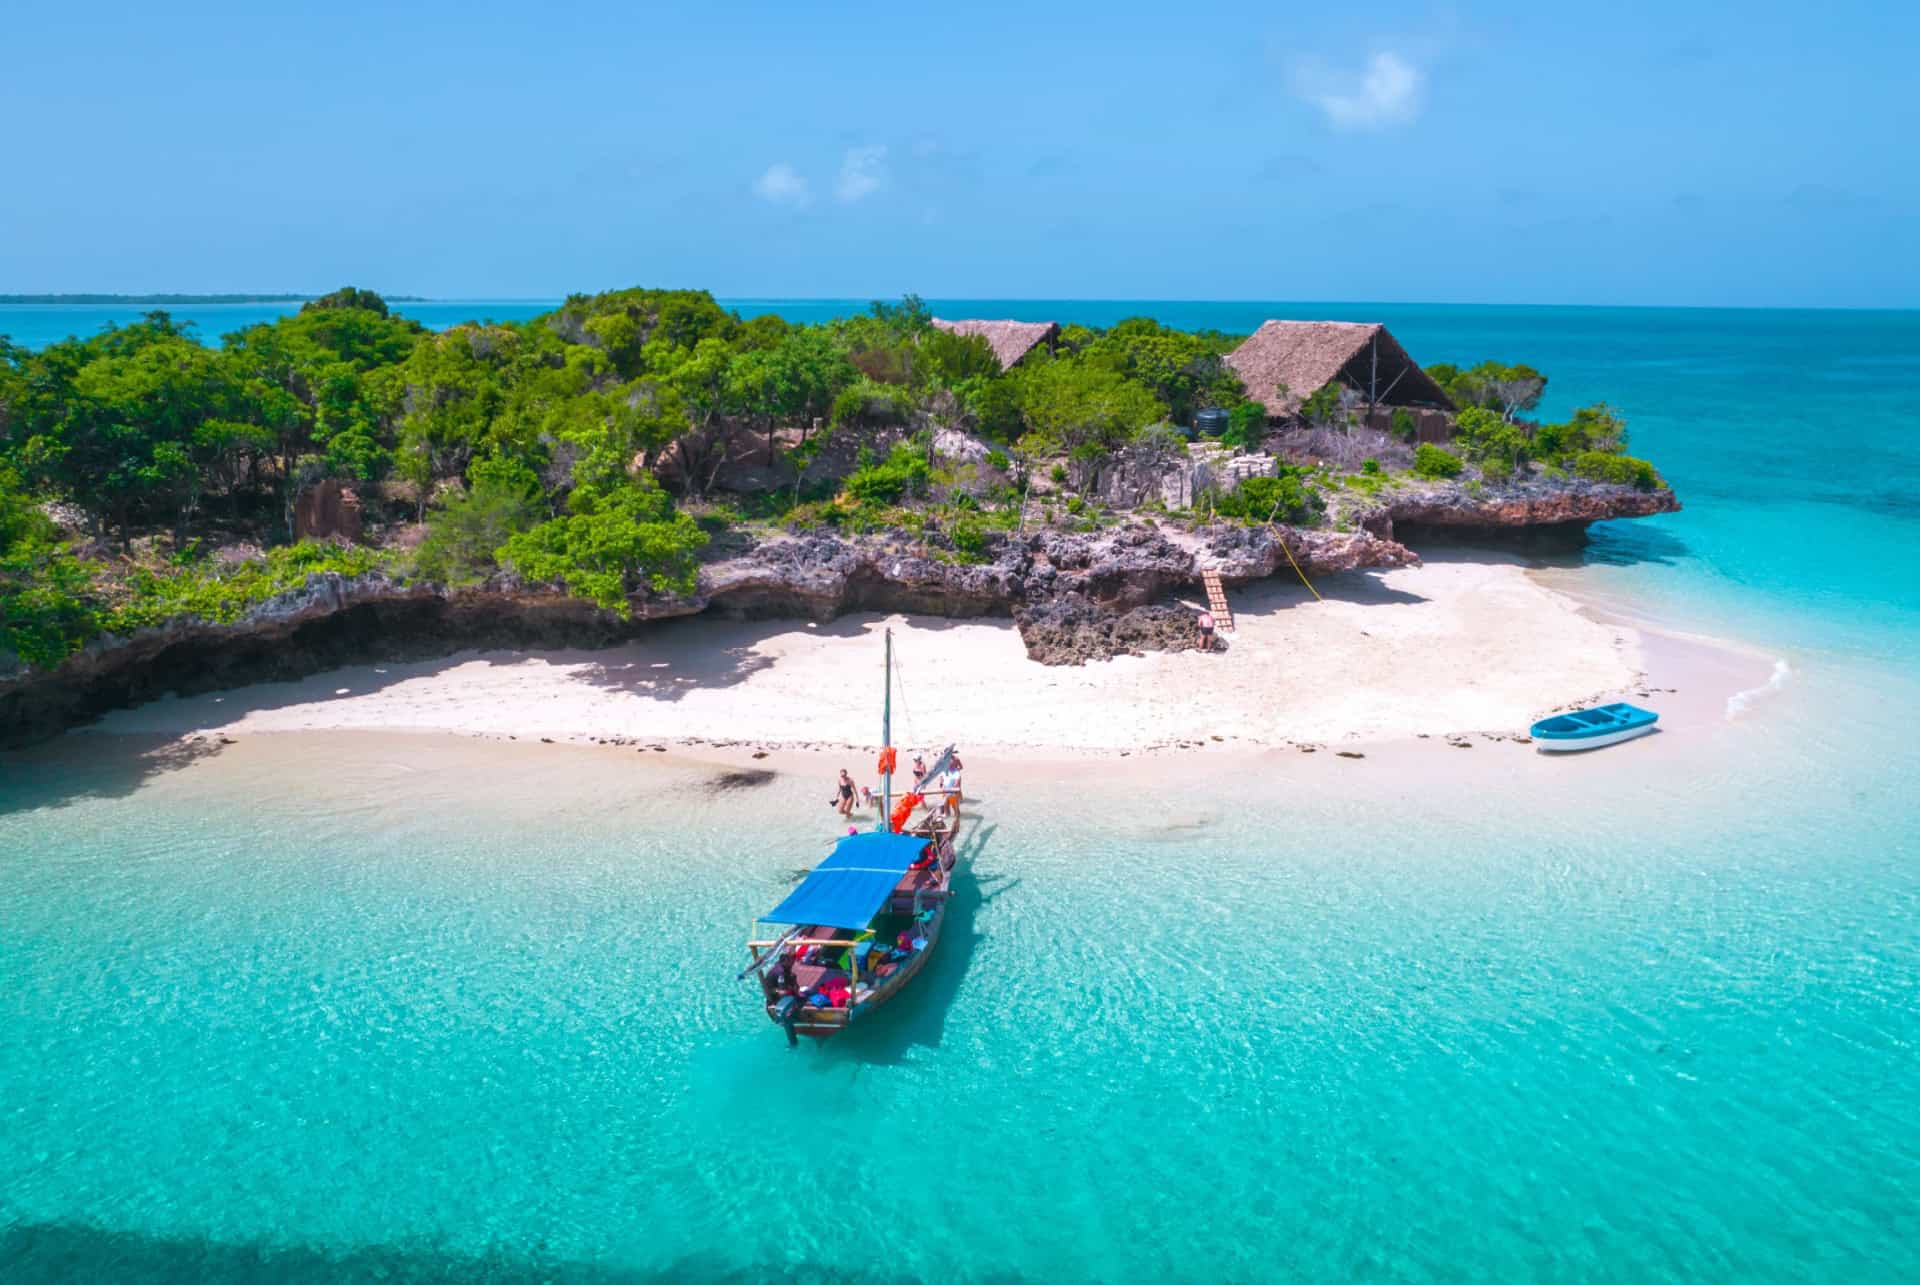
1590, 724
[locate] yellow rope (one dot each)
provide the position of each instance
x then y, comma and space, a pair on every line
1289, 552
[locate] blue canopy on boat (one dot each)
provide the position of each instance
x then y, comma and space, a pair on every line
850, 886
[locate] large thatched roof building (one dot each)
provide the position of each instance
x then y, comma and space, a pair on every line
1302, 357
1010, 340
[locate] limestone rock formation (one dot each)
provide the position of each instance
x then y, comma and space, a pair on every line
1532, 503
1072, 631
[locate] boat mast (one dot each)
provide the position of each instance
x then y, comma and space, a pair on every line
886, 739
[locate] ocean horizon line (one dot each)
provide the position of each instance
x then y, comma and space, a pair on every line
226, 298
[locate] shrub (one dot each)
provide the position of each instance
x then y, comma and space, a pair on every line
47, 607
1246, 426
1286, 498
1405, 427
1624, 470
613, 543
1058, 474
1322, 410
904, 471
1370, 465
1496, 470
1431, 461
463, 533
1485, 437
1367, 483
1592, 428
998, 460
868, 404
969, 540
1160, 439
1074, 404
223, 592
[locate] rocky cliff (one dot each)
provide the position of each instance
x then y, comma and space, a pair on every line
1074, 596
1536, 509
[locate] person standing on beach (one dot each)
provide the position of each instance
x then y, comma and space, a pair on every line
845, 802
1203, 640
950, 787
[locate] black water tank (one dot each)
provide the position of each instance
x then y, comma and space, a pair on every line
1212, 422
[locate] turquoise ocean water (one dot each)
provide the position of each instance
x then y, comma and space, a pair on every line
317, 1006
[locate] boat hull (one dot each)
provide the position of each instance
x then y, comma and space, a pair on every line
1571, 744
823, 1023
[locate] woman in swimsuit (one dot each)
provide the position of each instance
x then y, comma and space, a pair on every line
845, 804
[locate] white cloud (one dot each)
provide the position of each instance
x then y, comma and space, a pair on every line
783, 185
863, 172
1388, 92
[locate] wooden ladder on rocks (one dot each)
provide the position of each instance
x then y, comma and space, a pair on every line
1217, 601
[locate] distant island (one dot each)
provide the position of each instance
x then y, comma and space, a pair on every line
177, 299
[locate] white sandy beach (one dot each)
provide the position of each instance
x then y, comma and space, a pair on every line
1449, 647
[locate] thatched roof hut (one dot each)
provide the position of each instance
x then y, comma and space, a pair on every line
1305, 356
1010, 340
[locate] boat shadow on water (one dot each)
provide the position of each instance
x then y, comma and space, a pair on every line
917, 1018
77, 1251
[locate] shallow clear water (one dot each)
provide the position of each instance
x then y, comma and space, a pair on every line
319, 1005
428, 1006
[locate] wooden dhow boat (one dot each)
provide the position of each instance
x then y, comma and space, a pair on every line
867, 918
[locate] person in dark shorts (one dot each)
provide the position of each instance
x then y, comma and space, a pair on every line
1203, 639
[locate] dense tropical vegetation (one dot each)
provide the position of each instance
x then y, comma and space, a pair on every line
145, 473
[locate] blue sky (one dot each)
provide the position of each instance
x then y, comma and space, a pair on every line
1750, 154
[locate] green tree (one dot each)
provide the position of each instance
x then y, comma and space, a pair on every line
993, 403
955, 361
1590, 428
1491, 385
324, 381
1487, 438
613, 544
1083, 408
464, 534
455, 389
1246, 426
1185, 370
120, 437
